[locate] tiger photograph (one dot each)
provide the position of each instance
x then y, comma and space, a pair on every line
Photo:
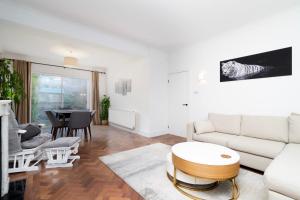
263, 65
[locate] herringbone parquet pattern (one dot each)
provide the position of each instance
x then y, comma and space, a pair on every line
89, 179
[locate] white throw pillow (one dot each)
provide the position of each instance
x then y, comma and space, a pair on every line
294, 128
204, 126
230, 124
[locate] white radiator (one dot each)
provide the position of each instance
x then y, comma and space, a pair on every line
123, 118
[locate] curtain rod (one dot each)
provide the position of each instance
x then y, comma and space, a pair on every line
61, 66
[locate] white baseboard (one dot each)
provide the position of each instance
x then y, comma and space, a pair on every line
122, 128
141, 132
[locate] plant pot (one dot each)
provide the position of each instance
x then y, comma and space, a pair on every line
104, 122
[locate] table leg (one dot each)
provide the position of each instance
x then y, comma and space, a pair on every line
174, 176
235, 189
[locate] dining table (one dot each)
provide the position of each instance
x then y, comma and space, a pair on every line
66, 113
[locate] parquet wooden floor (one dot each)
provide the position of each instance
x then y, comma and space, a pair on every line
90, 179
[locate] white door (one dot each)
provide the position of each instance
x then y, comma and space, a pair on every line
178, 103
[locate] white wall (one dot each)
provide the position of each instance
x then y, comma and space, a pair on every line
268, 96
149, 91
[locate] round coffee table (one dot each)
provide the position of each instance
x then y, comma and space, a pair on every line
207, 162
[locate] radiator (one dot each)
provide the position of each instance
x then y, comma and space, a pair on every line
123, 118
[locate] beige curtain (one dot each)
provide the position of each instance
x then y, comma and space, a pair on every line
96, 97
24, 108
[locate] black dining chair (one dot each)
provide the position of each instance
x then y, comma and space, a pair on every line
92, 117
64, 116
57, 125
79, 121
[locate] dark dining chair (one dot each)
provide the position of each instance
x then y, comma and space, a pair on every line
92, 117
57, 125
64, 116
79, 121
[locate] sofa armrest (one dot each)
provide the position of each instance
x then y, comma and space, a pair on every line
190, 131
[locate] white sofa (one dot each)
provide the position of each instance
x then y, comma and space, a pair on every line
266, 143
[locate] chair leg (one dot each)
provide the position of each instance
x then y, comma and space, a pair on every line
71, 132
62, 132
54, 133
85, 133
90, 131
68, 132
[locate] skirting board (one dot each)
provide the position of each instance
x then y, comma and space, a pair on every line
143, 133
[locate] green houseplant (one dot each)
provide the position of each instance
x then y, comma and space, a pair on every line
105, 104
11, 84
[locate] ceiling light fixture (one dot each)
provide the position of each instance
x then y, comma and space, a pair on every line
70, 61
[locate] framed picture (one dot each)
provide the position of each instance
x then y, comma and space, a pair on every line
123, 86
262, 65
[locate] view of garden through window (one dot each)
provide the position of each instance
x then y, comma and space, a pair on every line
55, 92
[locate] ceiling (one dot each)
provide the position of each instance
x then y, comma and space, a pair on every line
161, 23
24, 42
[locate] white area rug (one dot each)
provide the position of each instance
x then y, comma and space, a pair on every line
144, 170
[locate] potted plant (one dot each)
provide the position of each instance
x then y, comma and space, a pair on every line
11, 84
105, 104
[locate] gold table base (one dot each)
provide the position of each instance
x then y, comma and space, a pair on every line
234, 188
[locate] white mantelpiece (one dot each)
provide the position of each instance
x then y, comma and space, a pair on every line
4, 112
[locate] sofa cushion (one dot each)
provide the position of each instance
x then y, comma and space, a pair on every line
36, 141
226, 123
204, 126
214, 137
265, 127
294, 128
260, 147
62, 142
282, 175
254, 161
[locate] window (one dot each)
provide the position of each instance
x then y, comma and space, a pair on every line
50, 92
75, 93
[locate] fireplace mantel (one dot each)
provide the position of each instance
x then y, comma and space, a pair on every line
4, 112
